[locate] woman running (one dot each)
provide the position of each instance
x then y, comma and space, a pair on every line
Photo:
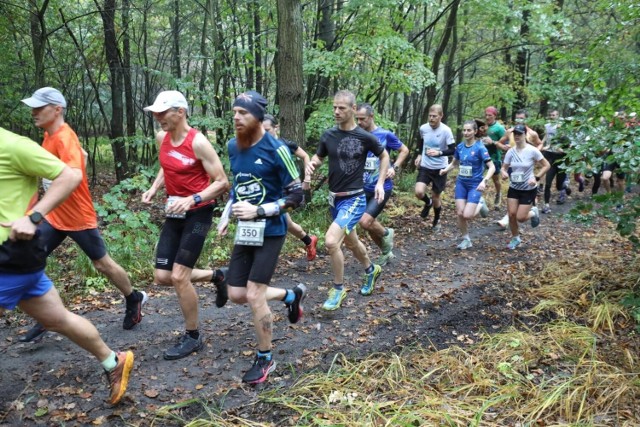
523, 183
472, 156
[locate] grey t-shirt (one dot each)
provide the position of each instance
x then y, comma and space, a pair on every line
522, 163
438, 139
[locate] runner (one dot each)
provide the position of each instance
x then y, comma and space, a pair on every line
76, 217
382, 236
265, 186
495, 131
188, 164
553, 150
270, 125
347, 146
523, 183
472, 156
436, 143
23, 254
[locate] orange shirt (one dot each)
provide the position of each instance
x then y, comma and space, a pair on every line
77, 212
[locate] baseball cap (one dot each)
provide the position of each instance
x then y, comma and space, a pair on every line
520, 129
168, 99
45, 96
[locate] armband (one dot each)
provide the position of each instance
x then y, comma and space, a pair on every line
227, 210
269, 209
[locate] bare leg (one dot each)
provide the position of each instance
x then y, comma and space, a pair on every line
115, 273
333, 242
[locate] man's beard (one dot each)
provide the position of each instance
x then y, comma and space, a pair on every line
249, 134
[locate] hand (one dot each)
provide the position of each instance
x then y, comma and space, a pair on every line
417, 162
504, 174
244, 210
21, 229
532, 182
487, 140
391, 173
223, 226
148, 195
181, 205
309, 169
379, 193
433, 153
482, 186
443, 171
306, 185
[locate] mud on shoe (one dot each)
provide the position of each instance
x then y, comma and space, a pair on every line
34, 335
119, 377
133, 314
370, 280
185, 346
295, 308
260, 370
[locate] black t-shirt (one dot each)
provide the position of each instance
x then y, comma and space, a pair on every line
292, 146
347, 152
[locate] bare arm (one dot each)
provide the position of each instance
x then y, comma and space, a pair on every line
158, 183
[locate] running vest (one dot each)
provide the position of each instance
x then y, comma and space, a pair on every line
184, 174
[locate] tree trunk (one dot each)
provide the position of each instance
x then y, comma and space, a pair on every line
175, 37
318, 85
522, 60
290, 89
257, 49
126, 62
38, 39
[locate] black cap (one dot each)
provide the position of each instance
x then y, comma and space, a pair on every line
520, 129
253, 102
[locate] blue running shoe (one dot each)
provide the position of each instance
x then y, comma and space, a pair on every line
371, 280
335, 299
514, 243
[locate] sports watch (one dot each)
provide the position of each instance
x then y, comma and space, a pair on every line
35, 217
197, 199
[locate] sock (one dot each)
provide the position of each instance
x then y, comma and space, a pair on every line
195, 334
289, 297
264, 354
466, 236
427, 200
306, 240
369, 269
132, 297
110, 363
217, 276
436, 215
338, 286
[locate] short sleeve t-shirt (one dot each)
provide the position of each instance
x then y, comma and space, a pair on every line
22, 162
496, 131
389, 141
260, 174
347, 151
438, 139
522, 163
76, 213
472, 160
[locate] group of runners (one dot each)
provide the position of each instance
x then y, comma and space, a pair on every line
265, 186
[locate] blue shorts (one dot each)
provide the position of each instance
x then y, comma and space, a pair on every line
348, 211
18, 287
467, 190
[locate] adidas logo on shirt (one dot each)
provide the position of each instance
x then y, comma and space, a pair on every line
258, 162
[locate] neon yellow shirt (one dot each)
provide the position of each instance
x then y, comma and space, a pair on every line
22, 162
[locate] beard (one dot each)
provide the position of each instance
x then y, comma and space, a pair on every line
250, 134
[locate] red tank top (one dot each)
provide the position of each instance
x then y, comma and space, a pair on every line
184, 174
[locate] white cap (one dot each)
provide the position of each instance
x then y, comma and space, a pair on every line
168, 99
45, 96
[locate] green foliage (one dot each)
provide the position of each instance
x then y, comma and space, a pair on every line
632, 304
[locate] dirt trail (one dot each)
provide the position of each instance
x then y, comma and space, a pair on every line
432, 294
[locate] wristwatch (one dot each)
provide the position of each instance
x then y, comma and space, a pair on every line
35, 217
197, 199
260, 212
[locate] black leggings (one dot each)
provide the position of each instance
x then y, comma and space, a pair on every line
555, 160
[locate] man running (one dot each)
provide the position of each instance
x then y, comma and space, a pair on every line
495, 131
347, 146
193, 177
75, 217
23, 253
382, 236
270, 125
554, 151
436, 143
265, 186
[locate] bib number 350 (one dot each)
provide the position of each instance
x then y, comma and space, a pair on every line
250, 233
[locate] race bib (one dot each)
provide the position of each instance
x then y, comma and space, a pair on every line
372, 164
332, 200
517, 177
170, 201
465, 171
250, 233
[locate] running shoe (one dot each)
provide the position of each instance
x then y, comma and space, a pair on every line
562, 197
335, 299
504, 222
385, 258
133, 314
436, 228
119, 377
220, 280
465, 244
581, 184
425, 210
515, 241
259, 371
185, 346
546, 209
497, 201
311, 248
535, 219
34, 335
295, 308
387, 242
370, 280
484, 210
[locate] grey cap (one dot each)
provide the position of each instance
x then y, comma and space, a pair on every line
45, 96
168, 99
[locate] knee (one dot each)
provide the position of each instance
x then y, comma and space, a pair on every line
104, 265
162, 277
256, 298
331, 244
366, 221
468, 216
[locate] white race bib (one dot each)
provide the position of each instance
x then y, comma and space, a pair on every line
332, 200
250, 233
465, 171
170, 201
372, 164
517, 177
